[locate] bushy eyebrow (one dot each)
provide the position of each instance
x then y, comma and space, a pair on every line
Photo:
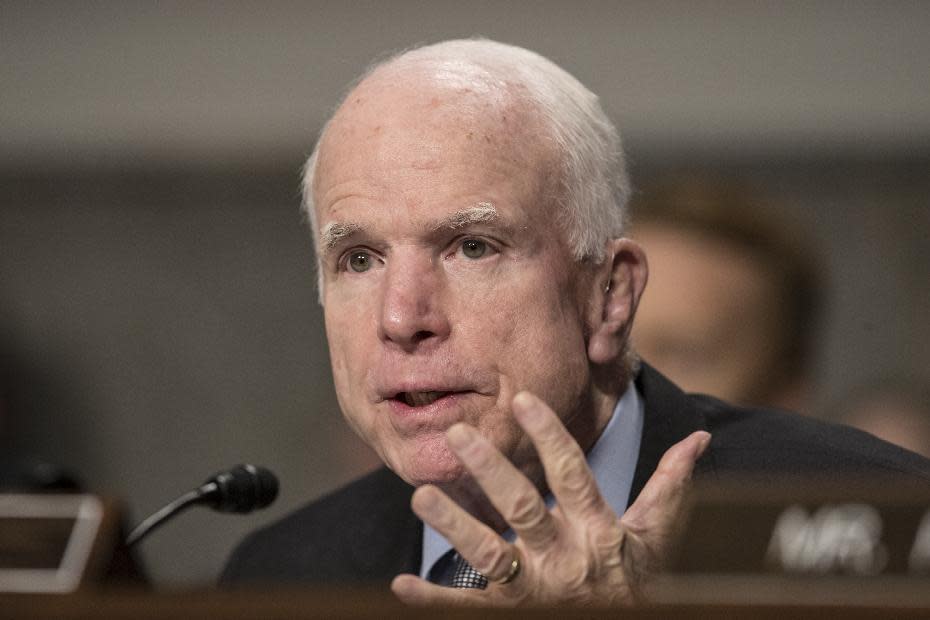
335, 232
482, 213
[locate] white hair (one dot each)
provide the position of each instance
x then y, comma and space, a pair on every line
593, 186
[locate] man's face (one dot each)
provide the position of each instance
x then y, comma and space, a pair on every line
707, 319
446, 284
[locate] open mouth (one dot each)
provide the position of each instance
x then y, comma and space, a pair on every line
420, 399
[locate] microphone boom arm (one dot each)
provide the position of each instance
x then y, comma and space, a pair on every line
157, 518
241, 489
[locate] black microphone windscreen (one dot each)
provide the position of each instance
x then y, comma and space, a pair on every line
243, 488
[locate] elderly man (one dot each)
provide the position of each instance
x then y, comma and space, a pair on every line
468, 205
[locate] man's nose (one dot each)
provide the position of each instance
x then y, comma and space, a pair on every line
413, 308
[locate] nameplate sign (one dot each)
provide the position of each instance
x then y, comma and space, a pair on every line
806, 528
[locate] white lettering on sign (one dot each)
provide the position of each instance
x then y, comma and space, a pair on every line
919, 559
835, 538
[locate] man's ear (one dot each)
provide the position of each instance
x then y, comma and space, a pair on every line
620, 281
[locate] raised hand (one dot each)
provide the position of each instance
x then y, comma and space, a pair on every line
580, 552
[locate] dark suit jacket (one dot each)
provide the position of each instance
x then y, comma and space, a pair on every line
367, 533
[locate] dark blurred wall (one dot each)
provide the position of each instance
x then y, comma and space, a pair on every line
169, 326
157, 301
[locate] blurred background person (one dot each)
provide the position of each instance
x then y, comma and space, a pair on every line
740, 323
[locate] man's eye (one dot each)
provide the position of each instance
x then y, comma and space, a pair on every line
474, 248
359, 261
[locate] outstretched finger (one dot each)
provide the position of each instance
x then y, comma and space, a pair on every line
482, 548
659, 503
567, 472
511, 493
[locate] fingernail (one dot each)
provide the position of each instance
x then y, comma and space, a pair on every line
524, 405
527, 410
402, 586
702, 447
425, 501
459, 436
523, 399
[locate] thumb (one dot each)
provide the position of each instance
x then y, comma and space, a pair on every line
654, 514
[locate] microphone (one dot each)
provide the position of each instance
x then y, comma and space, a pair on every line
241, 489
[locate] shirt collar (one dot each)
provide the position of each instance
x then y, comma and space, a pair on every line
612, 458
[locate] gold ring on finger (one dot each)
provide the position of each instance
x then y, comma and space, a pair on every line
514, 570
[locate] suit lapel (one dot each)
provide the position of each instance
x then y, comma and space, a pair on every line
388, 537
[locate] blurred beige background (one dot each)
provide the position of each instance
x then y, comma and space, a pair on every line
157, 308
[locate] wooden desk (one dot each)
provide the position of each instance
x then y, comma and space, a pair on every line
338, 604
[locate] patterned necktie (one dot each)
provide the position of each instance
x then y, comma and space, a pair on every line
464, 576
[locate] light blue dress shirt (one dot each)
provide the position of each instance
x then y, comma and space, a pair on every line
612, 459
